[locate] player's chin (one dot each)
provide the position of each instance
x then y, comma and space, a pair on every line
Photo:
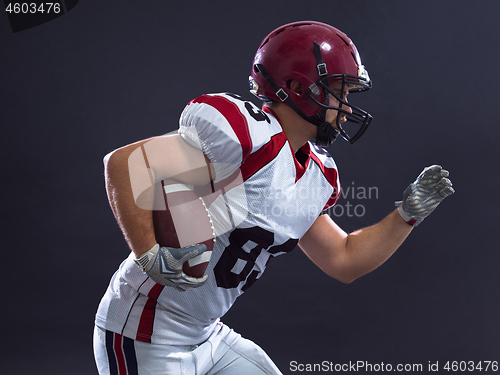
334, 125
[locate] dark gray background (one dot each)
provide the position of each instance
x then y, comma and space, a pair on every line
110, 73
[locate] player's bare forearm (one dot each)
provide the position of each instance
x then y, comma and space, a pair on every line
346, 257
368, 248
135, 222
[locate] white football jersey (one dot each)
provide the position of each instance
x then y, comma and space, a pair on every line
264, 200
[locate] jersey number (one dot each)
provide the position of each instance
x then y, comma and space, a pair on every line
253, 111
245, 247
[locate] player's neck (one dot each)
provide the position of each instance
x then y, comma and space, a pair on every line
297, 130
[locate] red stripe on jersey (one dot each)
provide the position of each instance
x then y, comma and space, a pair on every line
145, 328
266, 153
306, 150
299, 168
120, 358
234, 117
332, 176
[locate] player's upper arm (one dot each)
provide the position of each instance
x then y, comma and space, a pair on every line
170, 156
325, 244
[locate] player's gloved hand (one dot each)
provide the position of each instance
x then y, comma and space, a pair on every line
164, 265
424, 195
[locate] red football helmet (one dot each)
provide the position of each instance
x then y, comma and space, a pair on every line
317, 55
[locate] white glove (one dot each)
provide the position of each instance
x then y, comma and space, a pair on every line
424, 195
164, 265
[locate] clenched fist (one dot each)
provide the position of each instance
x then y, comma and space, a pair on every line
424, 194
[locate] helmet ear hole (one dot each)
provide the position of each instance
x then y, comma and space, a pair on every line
294, 85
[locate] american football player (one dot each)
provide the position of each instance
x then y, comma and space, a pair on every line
156, 319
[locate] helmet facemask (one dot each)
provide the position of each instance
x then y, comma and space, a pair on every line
356, 115
358, 119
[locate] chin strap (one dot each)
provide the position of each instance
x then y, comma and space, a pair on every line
327, 134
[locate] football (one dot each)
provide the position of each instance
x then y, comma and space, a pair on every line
183, 220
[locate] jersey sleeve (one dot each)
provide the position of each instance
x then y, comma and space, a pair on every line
215, 124
335, 195
330, 171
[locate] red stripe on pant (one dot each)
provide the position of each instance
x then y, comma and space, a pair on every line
145, 328
120, 357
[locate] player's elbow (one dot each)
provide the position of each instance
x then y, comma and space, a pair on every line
115, 167
119, 158
116, 160
106, 158
111, 162
345, 279
344, 275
